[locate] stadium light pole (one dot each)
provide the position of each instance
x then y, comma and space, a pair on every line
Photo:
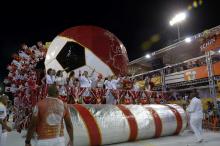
176, 20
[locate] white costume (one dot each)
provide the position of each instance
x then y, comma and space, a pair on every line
85, 82
108, 84
3, 134
73, 82
196, 115
61, 82
22, 54
115, 83
50, 79
60, 141
136, 87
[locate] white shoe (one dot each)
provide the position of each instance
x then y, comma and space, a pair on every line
199, 141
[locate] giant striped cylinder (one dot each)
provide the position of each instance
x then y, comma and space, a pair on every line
106, 124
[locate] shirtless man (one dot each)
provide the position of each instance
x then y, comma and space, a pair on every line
47, 121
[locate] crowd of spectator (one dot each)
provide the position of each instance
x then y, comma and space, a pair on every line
185, 66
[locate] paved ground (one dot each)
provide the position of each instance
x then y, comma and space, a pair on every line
185, 139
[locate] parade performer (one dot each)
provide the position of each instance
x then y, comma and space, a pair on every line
61, 83
196, 115
3, 122
47, 119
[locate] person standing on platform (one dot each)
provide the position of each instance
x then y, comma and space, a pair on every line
47, 121
3, 120
196, 115
86, 80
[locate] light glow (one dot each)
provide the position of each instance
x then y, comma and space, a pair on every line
188, 40
178, 18
147, 56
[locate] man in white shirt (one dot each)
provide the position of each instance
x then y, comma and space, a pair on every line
3, 122
196, 115
85, 80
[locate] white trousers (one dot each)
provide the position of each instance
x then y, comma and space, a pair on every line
3, 137
60, 141
196, 125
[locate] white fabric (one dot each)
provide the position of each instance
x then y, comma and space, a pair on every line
195, 108
100, 84
15, 62
60, 141
136, 87
110, 99
49, 79
3, 115
97, 84
196, 115
85, 82
196, 125
108, 84
114, 83
23, 55
60, 81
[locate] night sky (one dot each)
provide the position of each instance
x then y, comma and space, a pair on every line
134, 22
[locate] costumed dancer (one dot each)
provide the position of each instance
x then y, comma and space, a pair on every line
72, 83
47, 121
61, 83
4, 128
196, 115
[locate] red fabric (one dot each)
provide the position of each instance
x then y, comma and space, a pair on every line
90, 124
118, 94
178, 120
63, 98
157, 122
131, 121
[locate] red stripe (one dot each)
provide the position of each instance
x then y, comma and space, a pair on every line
178, 120
131, 121
91, 125
157, 121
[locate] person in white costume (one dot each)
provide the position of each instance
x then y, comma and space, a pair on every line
136, 86
72, 81
85, 80
196, 114
50, 79
98, 82
61, 82
115, 82
107, 83
4, 128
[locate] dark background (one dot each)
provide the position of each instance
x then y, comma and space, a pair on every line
132, 21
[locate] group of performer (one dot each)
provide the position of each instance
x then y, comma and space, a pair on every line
27, 85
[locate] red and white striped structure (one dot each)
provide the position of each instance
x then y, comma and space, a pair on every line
106, 124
